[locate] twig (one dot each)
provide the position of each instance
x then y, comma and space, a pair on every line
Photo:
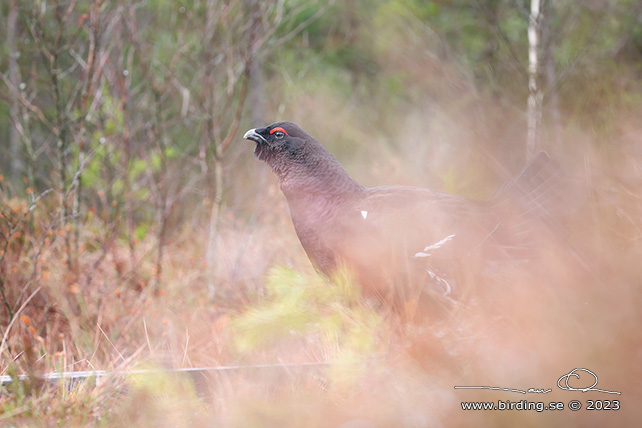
24, 304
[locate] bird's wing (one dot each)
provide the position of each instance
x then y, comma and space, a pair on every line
421, 218
406, 234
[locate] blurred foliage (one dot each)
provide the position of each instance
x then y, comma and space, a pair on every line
299, 306
310, 309
407, 54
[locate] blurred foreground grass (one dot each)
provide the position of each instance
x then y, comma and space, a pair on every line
516, 329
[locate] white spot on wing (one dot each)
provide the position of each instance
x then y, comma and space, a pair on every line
420, 254
436, 245
364, 214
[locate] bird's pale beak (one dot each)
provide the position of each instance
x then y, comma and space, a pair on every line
254, 136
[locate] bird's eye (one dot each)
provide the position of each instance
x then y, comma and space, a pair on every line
278, 132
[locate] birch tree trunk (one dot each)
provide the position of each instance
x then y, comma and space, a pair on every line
534, 90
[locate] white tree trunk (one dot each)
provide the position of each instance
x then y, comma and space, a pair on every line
534, 91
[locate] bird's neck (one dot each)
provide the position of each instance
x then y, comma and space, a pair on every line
327, 179
317, 185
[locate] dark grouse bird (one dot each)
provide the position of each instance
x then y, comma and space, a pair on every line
401, 241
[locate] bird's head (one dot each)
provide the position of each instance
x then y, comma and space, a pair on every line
281, 142
299, 161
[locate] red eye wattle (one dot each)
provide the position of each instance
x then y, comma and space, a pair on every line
278, 128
